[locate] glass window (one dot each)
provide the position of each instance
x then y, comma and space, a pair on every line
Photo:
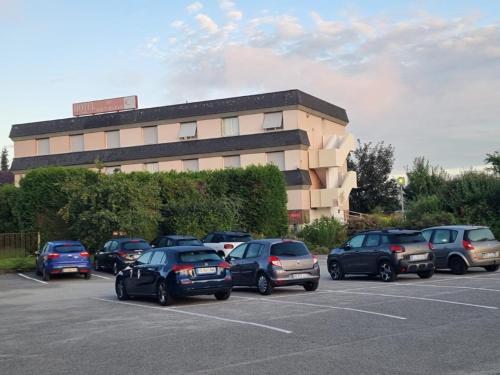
372, 240
135, 245
407, 238
113, 169
144, 258
189, 242
190, 165
441, 236
427, 235
106, 245
481, 234
113, 246
158, 257
152, 167
42, 146
150, 134
237, 238
208, 238
113, 139
289, 248
230, 126
238, 252
187, 130
76, 142
273, 120
253, 250
356, 241
68, 248
277, 158
454, 235
385, 239
198, 256
232, 161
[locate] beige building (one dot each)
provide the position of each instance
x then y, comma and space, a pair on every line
304, 136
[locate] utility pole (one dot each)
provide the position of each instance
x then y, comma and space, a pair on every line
401, 182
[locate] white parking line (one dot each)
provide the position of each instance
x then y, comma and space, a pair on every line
198, 315
31, 278
417, 298
102, 277
452, 287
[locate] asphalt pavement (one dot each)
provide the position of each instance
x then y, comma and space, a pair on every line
444, 325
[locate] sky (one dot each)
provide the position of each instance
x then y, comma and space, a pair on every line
423, 76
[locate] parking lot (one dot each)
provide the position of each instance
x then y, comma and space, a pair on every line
447, 324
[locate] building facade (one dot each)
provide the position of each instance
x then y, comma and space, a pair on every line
305, 137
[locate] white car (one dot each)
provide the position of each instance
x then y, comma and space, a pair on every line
225, 241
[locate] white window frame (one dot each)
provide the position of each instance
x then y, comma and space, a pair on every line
107, 134
152, 138
273, 121
113, 169
77, 140
228, 161
39, 143
186, 165
188, 130
230, 126
152, 167
276, 158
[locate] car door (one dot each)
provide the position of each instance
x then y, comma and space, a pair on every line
147, 274
101, 254
350, 257
132, 282
441, 246
40, 255
249, 265
369, 253
235, 258
109, 257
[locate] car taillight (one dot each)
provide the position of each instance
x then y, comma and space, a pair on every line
228, 246
431, 246
182, 268
275, 261
315, 259
84, 254
467, 245
123, 254
225, 265
397, 249
52, 255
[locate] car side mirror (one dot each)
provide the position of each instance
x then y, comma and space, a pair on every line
37, 253
347, 247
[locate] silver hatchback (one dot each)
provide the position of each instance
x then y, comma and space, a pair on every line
458, 247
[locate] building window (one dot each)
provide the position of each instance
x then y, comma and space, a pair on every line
190, 165
230, 126
76, 142
42, 146
187, 130
113, 139
277, 158
151, 167
113, 169
150, 134
273, 120
232, 161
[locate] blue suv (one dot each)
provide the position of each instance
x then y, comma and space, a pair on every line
62, 257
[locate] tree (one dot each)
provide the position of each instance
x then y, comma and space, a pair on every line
424, 179
494, 160
4, 163
373, 165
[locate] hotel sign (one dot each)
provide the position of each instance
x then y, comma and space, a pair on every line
106, 105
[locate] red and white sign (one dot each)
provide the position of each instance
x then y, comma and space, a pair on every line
106, 105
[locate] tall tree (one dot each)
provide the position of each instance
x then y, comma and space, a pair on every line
373, 165
424, 179
494, 160
4, 163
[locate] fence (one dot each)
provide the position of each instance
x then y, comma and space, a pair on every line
18, 244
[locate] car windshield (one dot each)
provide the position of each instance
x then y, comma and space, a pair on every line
289, 249
198, 256
191, 242
478, 235
407, 238
136, 245
68, 248
239, 238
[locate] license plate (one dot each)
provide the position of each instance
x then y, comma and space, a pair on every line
418, 257
490, 255
70, 269
300, 275
206, 270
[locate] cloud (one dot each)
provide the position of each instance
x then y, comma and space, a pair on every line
177, 24
235, 15
207, 23
194, 7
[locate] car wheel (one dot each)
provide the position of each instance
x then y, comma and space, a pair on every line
492, 268
87, 275
264, 285
121, 290
162, 294
457, 266
425, 274
336, 271
386, 271
45, 275
312, 286
37, 270
222, 296
115, 268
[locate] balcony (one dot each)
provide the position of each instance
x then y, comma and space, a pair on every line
334, 154
334, 197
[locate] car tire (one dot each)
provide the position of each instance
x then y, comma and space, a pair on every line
121, 290
115, 268
492, 268
457, 265
37, 270
425, 274
387, 273
162, 294
222, 296
311, 286
45, 275
336, 271
264, 285
87, 275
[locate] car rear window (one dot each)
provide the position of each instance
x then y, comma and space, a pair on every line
477, 235
407, 238
189, 243
198, 256
136, 245
68, 248
289, 249
240, 238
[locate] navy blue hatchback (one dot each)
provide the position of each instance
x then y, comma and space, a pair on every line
62, 257
178, 271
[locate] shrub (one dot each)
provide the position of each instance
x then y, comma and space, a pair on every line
326, 232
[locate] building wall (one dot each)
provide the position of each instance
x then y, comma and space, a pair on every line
94, 141
253, 159
59, 145
211, 163
209, 128
131, 137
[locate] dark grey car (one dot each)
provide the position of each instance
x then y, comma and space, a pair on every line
271, 263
